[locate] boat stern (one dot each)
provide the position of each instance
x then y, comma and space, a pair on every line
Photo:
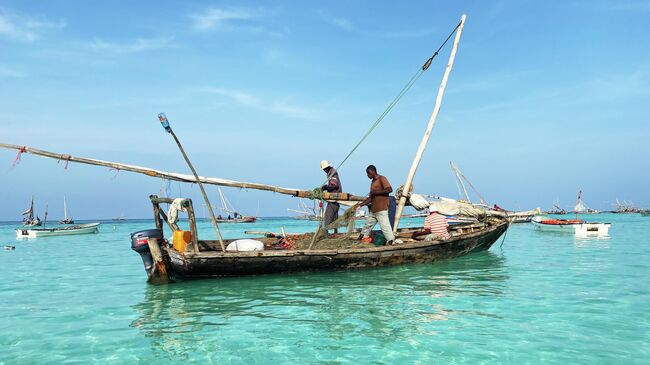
592, 229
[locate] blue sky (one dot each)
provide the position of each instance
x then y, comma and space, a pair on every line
545, 98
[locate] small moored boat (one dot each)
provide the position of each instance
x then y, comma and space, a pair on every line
87, 228
233, 216
574, 226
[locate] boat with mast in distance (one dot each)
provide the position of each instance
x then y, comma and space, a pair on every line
233, 216
581, 208
557, 209
66, 219
56, 231
87, 228
307, 213
625, 207
29, 220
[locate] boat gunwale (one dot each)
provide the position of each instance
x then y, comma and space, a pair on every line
361, 250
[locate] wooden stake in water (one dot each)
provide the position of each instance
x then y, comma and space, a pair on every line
168, 128
432, 121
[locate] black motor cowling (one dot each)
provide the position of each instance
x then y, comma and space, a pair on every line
139, 244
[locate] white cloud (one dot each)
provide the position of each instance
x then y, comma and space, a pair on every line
216, 18
26, 29
274, 106
135, 46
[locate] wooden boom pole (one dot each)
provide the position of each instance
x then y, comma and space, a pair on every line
343, 198
432, 121
165, 123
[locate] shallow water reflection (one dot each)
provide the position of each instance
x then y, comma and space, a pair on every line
376, 304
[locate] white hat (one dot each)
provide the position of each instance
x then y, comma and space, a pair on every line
434, 207
325, 164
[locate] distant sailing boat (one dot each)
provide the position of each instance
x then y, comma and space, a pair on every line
227, 207
557, 209
29, 220
307, 213
122, 217
66, 219
580, 207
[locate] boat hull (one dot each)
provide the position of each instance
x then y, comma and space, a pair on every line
88, 228
578, 229
521, 219
218, 264
238, 220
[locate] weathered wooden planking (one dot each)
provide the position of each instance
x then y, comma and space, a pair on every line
220, 264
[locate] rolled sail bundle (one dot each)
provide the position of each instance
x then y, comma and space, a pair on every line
451, 207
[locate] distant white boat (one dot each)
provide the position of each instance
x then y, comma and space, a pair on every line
575, 226
122, 217
87, 228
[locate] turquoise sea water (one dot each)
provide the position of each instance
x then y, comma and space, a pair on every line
540, 298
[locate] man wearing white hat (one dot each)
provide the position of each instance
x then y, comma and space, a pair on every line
332, 185
436, 223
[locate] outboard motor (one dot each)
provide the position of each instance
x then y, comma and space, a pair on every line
139, 244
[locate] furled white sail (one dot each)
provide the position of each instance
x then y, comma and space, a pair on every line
579, 207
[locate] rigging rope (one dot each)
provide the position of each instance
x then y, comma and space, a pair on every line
399, 96
388, 109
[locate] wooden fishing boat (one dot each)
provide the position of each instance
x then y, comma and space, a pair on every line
193, 258
87, 228
575, 226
